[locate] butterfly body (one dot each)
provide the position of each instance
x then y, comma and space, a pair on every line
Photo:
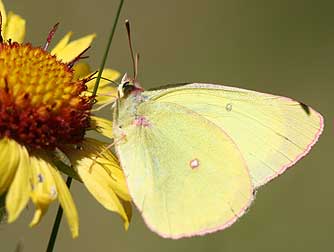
194, 155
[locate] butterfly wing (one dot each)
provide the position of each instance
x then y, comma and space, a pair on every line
272, 132
184, 173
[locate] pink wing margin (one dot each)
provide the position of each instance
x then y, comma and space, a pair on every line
304, 153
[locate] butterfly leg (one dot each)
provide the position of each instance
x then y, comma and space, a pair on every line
106, 104
104, 150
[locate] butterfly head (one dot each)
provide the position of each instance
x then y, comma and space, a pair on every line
128, 86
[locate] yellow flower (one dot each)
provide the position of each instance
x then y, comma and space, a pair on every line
45, 111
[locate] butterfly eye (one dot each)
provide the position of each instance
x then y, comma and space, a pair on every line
127, 87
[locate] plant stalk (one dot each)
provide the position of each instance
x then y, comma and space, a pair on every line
56, 224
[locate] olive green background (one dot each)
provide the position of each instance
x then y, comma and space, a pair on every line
280, 47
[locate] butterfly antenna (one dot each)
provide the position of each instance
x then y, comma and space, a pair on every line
134, 61
114, 83
136, 64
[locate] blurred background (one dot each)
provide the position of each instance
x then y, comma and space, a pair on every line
280, 47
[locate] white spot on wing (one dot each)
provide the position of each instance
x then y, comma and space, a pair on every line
194, 163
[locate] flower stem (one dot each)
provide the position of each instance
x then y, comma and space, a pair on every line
59, 215
107, 48
57, 221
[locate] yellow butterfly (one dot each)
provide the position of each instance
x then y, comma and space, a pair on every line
194, 154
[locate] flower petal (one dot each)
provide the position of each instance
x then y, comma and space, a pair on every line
81, 70
128, 209
61, 44
3, 14
10, 157
47, 185
44, 190
102, 125
15, 28
20, 188
67, 203
74, 48
102, 175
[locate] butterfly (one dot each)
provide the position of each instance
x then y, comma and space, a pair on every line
195, 154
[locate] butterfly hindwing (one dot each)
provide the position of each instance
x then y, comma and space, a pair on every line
185, 174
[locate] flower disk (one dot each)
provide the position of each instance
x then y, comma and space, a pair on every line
41, 103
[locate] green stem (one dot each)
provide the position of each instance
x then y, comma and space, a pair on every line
59, 215
56, 223
107, 48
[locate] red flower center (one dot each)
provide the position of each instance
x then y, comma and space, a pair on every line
41, 104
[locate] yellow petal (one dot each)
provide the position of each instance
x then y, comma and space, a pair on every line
81, 70
67, 203
74, 48
61, 44
41, 203
15, 28
3, 14
102, 175
99, 186
44, 190
10, 157
19, 191
128, 209
39, 213
102, 125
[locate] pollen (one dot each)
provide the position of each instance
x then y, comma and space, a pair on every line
42, 105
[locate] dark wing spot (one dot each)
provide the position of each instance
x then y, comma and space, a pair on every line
305, 108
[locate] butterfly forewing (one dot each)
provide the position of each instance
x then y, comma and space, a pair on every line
272, 132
